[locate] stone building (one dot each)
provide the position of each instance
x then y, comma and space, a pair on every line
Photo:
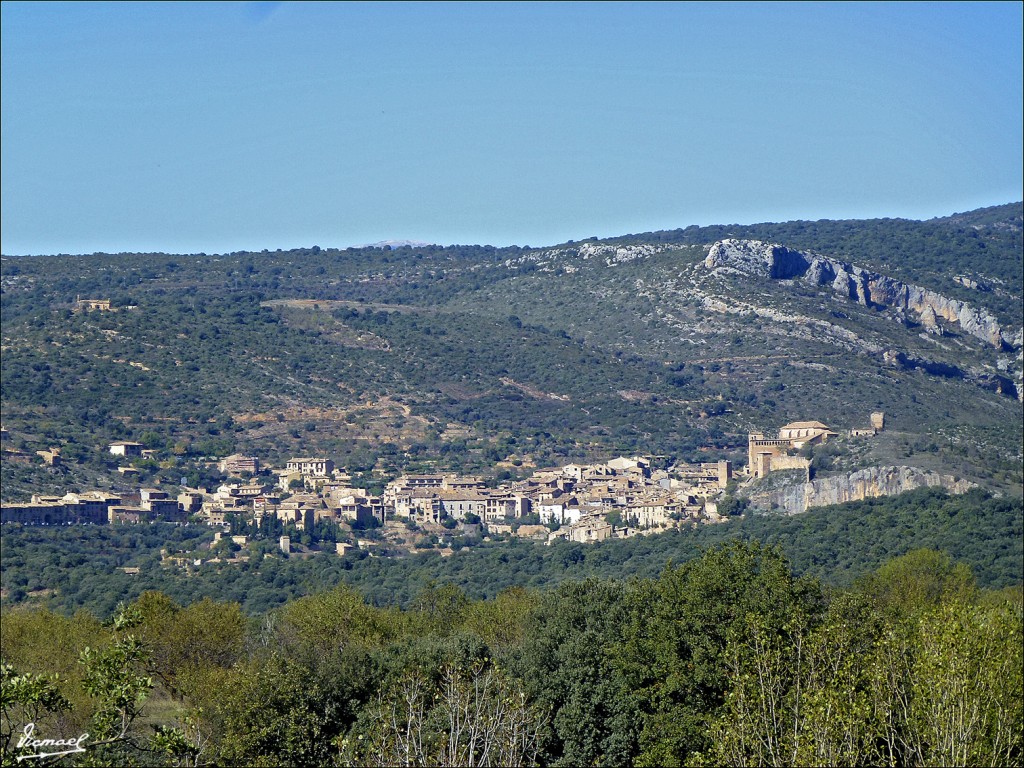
127, 449
237, 464
766, 455
72, 508
311, 467
51, 457
90, 305
801, 433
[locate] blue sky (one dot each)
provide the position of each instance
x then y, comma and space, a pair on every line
242, 126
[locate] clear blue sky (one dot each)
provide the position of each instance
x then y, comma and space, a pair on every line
218, 127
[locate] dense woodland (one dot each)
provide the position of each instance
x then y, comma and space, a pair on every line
727, 659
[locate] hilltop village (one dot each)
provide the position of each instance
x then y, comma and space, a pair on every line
615, 499
578, 502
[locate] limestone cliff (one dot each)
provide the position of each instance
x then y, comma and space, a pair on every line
863, 484
760, 259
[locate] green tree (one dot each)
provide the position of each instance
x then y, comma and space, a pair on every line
269, 711
502, 623
967, 698
186, 640
567, 664
26, 699
682, 623
916, 582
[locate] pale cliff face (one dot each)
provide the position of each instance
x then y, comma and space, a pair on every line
760, 259
863, 484
757, 258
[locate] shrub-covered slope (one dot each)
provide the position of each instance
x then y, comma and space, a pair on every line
461, 357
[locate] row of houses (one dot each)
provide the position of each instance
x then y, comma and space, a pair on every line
560, 497
576, 499
95, 508
584, 502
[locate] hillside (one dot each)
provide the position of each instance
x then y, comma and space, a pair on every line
501, 359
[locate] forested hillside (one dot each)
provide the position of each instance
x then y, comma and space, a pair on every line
461, 357
727, 659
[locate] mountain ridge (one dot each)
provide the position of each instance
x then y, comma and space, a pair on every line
423, 358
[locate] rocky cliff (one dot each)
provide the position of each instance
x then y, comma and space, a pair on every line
863, 484
760, 259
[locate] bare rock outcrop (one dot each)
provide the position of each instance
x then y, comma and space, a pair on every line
863, 484
755, 257
760, 259
930, 321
